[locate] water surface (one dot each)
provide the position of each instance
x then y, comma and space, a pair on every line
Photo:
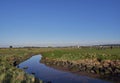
45, 73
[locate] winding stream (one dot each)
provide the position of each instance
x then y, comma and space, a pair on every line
45, 73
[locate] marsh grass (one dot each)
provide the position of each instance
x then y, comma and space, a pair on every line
84, 53
10, 74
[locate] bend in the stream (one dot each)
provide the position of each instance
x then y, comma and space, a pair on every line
48, 74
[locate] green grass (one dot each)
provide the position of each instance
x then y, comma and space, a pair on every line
10, 74
84, 53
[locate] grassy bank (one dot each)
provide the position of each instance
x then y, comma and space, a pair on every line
103, 62
11, 74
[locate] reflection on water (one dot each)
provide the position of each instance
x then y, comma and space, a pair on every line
41, 71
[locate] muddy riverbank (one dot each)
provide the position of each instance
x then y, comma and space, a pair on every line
107, 69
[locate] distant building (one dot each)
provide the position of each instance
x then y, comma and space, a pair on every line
78, 46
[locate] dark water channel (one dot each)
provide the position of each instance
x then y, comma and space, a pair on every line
45, 73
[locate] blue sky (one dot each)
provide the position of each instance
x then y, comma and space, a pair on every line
59, 22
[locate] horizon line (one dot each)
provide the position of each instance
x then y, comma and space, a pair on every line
7, 46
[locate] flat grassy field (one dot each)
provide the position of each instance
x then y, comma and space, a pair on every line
10, 74
83, 53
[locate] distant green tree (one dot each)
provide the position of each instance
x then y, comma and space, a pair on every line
11, 46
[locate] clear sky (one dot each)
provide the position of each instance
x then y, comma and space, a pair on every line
59, 22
